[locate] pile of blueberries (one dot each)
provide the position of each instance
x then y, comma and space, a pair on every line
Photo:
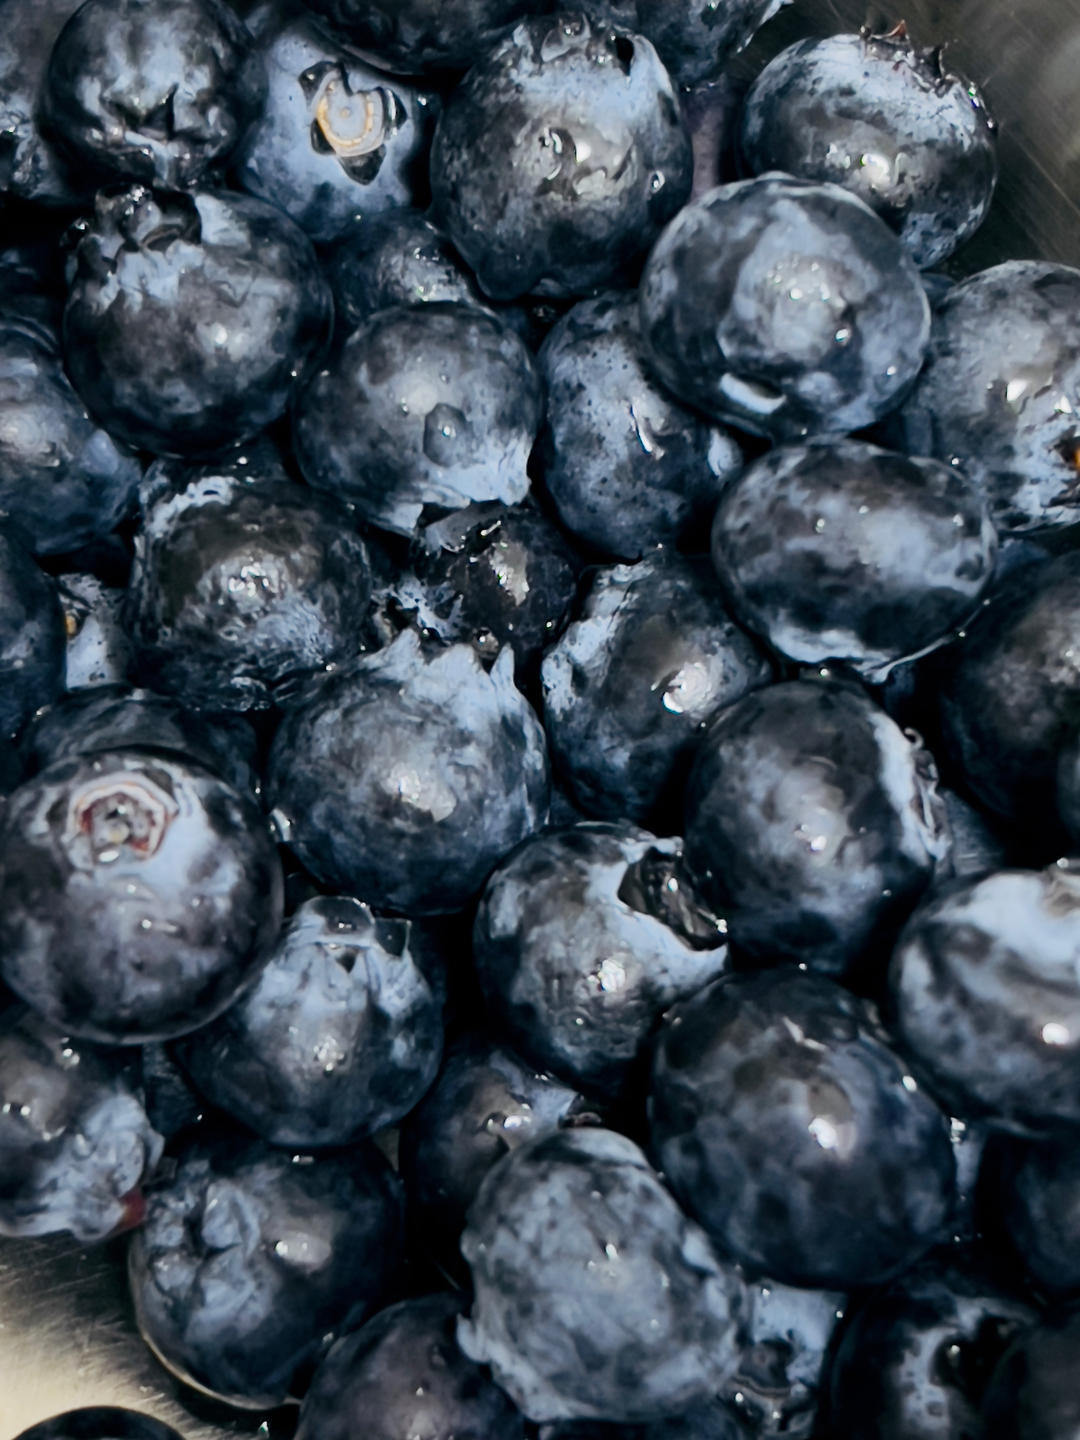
539, 722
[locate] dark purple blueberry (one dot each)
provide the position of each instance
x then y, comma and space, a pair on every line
485, 1102
340, 1036
889, 122
75, 1143
31, 167
583, 937
161, 90
492, 575
335, 139
986, 995
998, 394
784, 307
915, 1357
694, 38
410, 36
1009, 691
98, 648
113, 717
395, 257
139, 894
839, 550
190, 318
241, 584
1030, 1204
795, 1135
627, 690
1033, 1394
813, 824
31, 634
559, 157
252, 1260
100, 1422
427, 405
403, 1376
595, 1296
627, 466
405, 779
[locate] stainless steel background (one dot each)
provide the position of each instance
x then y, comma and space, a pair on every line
66, 1335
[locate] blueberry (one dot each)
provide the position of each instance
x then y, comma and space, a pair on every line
1032, 1394
485, 1102
1030, 1203
31, 634
653, 657
31, 167
408, 36
915, 1357
583, 937
404, 779
100, 1422
987, 997
1009, 691
339, 1037
995, 396
694, 41
795, 1135
138, 897
99, 648
161, 90
559, 157
627, 467
430, 405
812, 823
241, 584
334, 138
75, 1142
191, 317
251, 1260
403, 1375
595, 1297
839, 550
784, 307
888, 121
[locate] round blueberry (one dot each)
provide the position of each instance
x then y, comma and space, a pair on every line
430, 405
694, 41
795, 1135
161, 90
559, 157
138, 897
404, 779
813, 824
595, 1296
410, 36
839, 550
627, 467
31, 634
889, 122
784, 307
190, 318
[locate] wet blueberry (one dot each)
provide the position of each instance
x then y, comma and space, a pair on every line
627, 467
403, 1375
31, 634
595, 1296
98, 646
839, 550
812, 823
31, 167
583, 937
696, 40
430, 405
795, 1135
987, 996
784, 307
160, 90
340, 1036
654, 656
334, 139
138, 897
251, 1260
559, 157
404, 779
191, 317
75, 1142
888, 121
408, 36
241, 584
